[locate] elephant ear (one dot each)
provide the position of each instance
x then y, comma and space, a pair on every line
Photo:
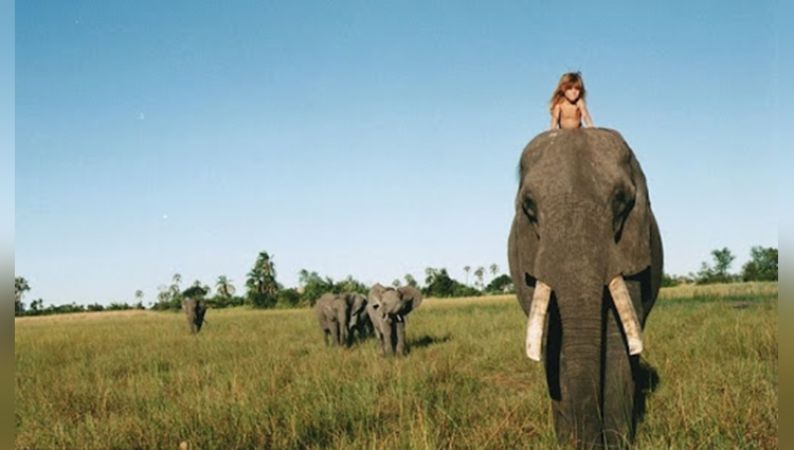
359, 303
523, 244
411, 298
522, 251
328, 309
633, 241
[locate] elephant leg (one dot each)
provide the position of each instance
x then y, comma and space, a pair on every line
389, 337
400, 332
361, 332
384, 345
344, 335
335, 330
381, 339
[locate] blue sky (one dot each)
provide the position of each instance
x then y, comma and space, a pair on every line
362, 138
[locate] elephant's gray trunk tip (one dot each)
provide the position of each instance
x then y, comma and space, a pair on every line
536, 320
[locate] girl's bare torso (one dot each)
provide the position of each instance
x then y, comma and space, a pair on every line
570, 115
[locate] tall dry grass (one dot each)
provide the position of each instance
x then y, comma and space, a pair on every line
264, 379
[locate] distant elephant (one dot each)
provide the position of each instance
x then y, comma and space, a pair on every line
584, 247
338, 314
388, 308
194, 309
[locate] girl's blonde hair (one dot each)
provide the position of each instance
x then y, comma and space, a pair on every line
567, 80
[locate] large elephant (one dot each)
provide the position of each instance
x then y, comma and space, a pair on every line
388, 308
584, 247
338, 314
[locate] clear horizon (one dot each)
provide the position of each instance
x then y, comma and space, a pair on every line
363, 140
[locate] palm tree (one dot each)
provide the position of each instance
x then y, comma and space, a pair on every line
139, 297
303, 277
494, 270
262, 278
430, 275
224, 287
20, 287
479, 273
163, 296
467, 269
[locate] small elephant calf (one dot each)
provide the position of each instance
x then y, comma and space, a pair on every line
388, 308
339, 315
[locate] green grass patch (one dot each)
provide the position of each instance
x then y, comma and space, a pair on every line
264, 379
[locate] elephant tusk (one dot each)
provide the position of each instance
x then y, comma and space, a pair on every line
537, 317
627, 314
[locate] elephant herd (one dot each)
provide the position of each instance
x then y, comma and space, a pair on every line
585, 257
348, 316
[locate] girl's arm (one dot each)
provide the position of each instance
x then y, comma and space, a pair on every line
555, 117
588, 122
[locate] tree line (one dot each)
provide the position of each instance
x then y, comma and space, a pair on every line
762, 266
262, 289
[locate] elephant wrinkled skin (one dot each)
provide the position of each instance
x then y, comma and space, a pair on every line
584, 235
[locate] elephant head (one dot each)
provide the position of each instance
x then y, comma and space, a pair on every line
585, 252
358, 311
360, 323
388, 308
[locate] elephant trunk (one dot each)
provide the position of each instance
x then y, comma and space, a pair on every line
575, 269
580, 363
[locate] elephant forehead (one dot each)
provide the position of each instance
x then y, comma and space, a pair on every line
391, 300
391, 295
573, 173
564, 147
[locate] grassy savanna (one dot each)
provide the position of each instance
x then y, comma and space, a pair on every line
257, 378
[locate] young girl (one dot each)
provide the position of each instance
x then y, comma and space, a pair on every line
567, 106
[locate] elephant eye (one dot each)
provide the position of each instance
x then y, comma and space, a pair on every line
622, 202
618, 202
528, 205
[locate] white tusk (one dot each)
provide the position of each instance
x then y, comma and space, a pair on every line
537, 317
628, 317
